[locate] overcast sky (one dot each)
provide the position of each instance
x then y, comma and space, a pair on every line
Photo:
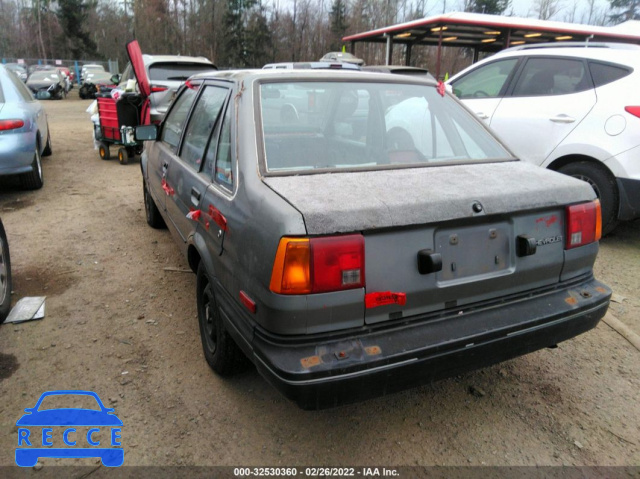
526, 8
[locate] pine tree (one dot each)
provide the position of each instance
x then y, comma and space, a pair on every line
624, 10
72, 15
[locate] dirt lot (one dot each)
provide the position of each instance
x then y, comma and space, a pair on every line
119, 324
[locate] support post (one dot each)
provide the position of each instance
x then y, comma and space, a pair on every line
439, 57
407, 57
389, 54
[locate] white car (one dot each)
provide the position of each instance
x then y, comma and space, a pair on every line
573, 108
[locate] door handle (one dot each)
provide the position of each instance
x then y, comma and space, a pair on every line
482, 115
195, 193
562, 118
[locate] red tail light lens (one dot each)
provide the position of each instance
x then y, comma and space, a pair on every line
337, 263
11, 124
318, 265
584, 224
158, 88
634, 110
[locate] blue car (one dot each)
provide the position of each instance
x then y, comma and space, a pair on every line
28, 450
24, 132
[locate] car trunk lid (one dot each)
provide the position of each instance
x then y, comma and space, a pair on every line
443, 237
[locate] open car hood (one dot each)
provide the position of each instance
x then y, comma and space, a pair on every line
137, 63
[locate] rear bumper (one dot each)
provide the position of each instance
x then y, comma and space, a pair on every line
17, 153
381, 360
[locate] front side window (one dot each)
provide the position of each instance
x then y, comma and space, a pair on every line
349, 125
552, 76
486, 81
201, 124
175, 121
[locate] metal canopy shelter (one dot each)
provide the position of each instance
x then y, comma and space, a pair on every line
488, 33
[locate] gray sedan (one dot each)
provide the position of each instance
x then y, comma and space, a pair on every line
24, 132
370, 236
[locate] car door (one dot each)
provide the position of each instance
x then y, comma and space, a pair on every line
549, 99
167, 148
221, 221
183, 173
482, 89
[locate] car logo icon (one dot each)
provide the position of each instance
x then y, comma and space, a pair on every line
68, 420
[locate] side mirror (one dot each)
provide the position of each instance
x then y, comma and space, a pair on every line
115, 79
146, 133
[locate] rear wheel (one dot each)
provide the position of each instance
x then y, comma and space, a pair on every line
34, 179
220, 350
604, 186
154, 218
103, 151
5, 276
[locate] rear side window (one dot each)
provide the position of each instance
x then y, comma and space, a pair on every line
176, 71
552, 76
603, 73
485, 82
175, 121
203, 119
224, 160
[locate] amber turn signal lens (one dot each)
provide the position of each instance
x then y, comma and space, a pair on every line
291, 268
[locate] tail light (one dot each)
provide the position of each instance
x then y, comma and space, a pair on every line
158, 88
584, 224
11, 124
634, 110
318, 265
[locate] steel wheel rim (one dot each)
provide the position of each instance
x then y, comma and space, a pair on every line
209, 313
3, 272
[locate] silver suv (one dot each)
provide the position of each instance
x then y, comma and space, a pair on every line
166, 73
573, 108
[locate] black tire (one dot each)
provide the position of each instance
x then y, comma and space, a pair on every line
220, 350
103, 151
34, 179
5, 276
154, 218
47, 148
123, 156
603, 184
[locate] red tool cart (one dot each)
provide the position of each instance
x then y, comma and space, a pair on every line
118, 119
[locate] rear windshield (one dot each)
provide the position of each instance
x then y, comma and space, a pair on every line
176, 71
340, 125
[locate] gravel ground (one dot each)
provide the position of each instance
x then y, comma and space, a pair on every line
120, 324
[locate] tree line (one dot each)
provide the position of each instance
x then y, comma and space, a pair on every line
244, 33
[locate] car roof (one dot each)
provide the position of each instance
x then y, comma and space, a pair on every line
313, 65
150, 59
308, 75
624, 54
